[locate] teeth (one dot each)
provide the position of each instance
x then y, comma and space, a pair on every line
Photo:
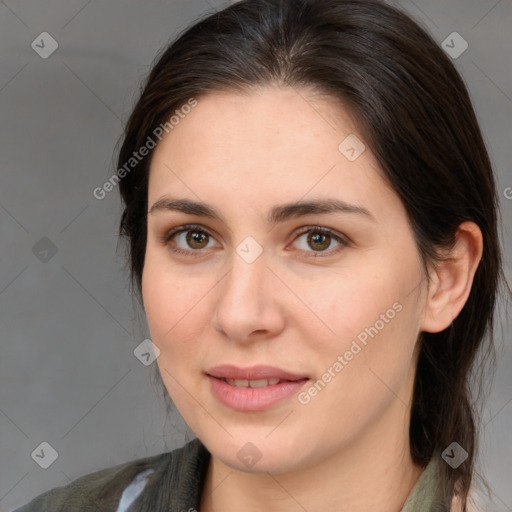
260, 383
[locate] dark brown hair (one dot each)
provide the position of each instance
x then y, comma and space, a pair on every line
414, 112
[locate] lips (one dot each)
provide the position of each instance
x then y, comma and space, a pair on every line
254, 373
254, 394
253, 389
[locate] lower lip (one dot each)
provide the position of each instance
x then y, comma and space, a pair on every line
253, 399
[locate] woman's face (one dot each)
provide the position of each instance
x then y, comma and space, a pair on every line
259, 285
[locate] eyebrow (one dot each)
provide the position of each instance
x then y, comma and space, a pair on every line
278, 214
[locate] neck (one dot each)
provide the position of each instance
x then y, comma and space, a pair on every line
375, 473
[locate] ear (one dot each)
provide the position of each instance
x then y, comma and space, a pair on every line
451, 280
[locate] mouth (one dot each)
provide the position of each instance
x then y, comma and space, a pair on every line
253, 374
253, 389
257, 383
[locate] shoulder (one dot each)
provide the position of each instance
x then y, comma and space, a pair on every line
87, 492
104, 490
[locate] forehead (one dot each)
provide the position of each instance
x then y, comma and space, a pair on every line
271, 139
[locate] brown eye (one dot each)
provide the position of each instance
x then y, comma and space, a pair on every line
196, 239
188, 240
319, 240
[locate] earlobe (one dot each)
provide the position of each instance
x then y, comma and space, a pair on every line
452, 278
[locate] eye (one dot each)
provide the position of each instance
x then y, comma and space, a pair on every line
320, 238
196, 238
192, 236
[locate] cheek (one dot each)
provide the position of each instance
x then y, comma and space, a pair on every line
173, 316
376, 322
355, 303
370, 316
173, 310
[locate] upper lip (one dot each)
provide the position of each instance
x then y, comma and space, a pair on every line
228, 371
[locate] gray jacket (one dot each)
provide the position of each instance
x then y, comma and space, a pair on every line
172, 482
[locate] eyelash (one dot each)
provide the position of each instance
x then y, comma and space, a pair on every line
343, 241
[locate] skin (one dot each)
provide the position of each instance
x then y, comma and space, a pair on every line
348, 448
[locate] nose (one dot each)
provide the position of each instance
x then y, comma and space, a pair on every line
248, 304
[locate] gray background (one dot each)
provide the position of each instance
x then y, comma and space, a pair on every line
68, 374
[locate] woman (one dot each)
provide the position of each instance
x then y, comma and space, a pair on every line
311, 220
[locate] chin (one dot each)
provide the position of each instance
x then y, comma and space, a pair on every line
260, 455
